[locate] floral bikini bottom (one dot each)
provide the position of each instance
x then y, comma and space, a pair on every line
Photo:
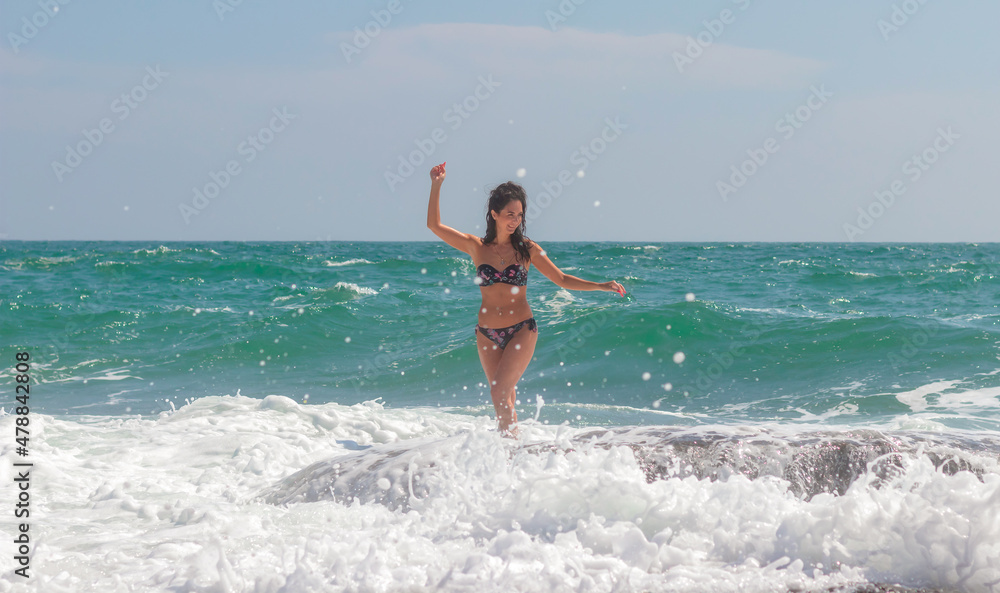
501, 336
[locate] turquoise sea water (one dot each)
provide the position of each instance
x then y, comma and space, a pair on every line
313, 417
775, 332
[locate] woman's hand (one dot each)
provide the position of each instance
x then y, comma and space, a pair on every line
437, 174
613, 286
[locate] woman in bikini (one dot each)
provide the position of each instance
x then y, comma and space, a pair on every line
506, 333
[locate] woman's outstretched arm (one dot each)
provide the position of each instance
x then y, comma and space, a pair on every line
461, 241
541, 261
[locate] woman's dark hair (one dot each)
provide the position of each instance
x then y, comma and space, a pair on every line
499, 198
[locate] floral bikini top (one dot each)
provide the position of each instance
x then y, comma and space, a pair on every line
514, 274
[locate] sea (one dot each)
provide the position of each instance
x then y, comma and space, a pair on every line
280, 417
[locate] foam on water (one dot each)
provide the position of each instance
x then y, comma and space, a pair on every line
950, 398
216, 497
349, 262
355, 289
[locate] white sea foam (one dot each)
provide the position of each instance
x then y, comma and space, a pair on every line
947, 395
157, 251
199, 309
358, 290
172, 504
162, 249
790, 311
18, 264
558, 305
349, 262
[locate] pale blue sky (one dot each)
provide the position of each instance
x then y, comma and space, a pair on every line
185, 91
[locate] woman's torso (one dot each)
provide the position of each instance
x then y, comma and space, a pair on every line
503, 304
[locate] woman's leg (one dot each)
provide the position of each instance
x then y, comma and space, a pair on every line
513, 361
489, 355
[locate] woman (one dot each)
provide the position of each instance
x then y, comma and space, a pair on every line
506, 333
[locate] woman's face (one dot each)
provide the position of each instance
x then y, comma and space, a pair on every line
509, 218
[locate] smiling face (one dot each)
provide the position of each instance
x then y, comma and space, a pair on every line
505, 216
509, 218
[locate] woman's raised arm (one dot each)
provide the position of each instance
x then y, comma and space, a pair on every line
461, 241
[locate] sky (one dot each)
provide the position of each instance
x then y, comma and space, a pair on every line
722, 120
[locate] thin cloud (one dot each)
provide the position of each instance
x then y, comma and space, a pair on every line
432, 50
